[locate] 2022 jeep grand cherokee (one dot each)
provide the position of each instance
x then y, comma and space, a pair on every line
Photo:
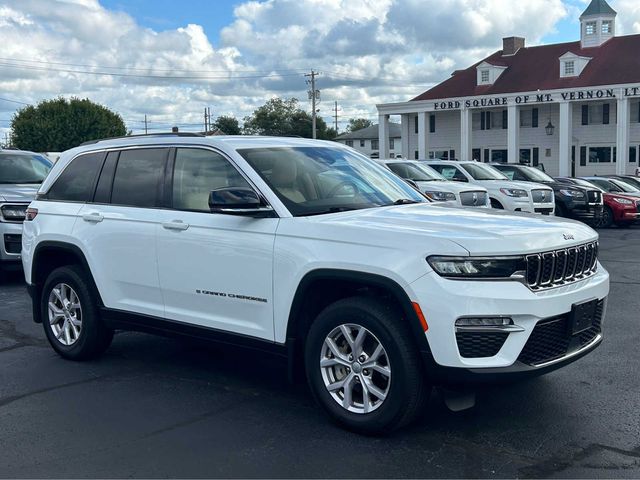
315, 252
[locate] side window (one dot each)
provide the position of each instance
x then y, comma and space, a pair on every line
196, 173
77, 181
138, 178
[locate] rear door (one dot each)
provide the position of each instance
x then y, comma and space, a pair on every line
215, 270
118, 229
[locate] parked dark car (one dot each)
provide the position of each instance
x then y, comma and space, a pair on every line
578, 202
619, 208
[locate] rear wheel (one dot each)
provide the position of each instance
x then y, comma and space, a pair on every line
70, 315
363, 366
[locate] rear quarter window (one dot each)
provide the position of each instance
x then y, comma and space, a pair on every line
77, 182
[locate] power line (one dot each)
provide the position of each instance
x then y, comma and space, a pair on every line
14, 101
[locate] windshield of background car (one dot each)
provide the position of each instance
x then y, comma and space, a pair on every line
23, 168
624, 186
585, 183
483, 172
409, 171
606, 185
318, 180
535, 175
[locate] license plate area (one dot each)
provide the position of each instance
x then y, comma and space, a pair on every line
583, 316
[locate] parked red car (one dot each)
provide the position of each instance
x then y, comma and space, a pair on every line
619, 209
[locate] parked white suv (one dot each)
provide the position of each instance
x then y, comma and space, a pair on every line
505, 194
436, 187
312, 251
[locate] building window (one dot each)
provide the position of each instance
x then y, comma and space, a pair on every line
362, 143
606, 27
375, 145
484, 76
499, 156
432, 123
569, 68
416, 155
529, 118
476, 155
596, 114
591, 28
440, 154
635, 112
392, 144
415, 124
632, 154
349, 143
601, 155
485, 121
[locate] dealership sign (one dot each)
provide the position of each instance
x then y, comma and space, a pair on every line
485, 102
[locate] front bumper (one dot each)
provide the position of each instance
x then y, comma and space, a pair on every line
584, 211
10, 242
444, 301
526, 205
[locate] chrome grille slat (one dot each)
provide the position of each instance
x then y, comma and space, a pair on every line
560, 267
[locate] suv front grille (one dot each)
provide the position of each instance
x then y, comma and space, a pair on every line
552, 269
551, 339
594, 197
473, 199
542, 196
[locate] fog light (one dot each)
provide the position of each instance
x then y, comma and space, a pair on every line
484, 322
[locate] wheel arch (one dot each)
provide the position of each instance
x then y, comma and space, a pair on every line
322, 287
49, 255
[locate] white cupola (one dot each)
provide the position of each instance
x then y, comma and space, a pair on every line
597, 24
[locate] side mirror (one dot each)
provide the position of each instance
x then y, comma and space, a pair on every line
238, 201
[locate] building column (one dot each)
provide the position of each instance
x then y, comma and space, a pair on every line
466, 135
383, 135
513, 134
423, 124
566, 139
622, 141
404, 132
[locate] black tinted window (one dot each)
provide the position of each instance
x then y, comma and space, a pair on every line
77, 181
137, 180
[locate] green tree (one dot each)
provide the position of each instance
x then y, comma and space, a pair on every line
283, 117
358, 124
59, 124
228, 125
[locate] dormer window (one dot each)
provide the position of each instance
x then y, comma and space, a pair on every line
487, 74
569, 69
484, 76
606, 27
591, 28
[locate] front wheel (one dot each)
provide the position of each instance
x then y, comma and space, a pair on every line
70, 315
363, 366
606, 221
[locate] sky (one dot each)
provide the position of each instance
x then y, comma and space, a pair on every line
170, 59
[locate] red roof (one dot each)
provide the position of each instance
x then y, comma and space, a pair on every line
538, 68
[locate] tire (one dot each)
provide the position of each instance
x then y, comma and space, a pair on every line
86, 340
561, 211
496, 204
405, 388
607, 218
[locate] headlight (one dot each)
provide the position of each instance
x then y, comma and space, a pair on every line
13, 213
623, 201
470, 267
440, 196
572, 193
514, 192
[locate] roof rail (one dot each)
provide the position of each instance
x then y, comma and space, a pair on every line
168, 134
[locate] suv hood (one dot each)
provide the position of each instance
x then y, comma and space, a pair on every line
22, 193
480, 232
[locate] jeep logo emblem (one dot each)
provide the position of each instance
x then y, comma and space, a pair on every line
568, 236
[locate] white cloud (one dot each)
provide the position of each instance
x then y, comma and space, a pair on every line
368, 51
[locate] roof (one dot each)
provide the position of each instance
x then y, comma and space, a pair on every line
598, 7
371, 132
538, 68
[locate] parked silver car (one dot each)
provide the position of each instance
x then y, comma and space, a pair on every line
21, 173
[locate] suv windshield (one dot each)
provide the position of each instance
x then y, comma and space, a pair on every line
624, 186
534, 175
23, 168
409, 171
318, 180
483, 172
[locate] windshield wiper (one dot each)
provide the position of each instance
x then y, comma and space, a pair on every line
406, 201
330, 210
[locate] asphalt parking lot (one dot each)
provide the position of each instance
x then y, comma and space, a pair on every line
156, 407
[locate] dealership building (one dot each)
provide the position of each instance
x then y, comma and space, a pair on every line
572, 107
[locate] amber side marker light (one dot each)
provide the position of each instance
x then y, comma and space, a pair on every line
31, 214
423, 321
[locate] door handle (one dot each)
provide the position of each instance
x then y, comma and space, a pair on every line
175, 225
93, 217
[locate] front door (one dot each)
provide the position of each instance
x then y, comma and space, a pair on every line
215, 270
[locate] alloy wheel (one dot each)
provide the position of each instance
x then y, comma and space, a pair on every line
355, 368
65, 314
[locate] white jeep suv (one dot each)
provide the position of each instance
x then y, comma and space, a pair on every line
311, 251
504, 193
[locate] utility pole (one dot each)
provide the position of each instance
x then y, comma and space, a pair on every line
209, 117
314, 95
335, 109
145, 124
